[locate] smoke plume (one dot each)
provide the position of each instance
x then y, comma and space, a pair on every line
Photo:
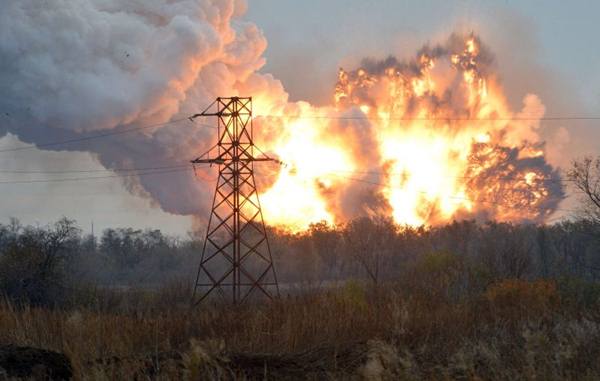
71, 67
424, 140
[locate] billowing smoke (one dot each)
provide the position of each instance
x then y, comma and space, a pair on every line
70, 67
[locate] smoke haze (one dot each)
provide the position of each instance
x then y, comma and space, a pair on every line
106, 65
79, 66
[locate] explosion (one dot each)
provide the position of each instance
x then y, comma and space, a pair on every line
424, 141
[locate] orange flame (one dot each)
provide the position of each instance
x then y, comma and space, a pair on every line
425, 141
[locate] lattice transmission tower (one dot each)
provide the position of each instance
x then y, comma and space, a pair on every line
236, 257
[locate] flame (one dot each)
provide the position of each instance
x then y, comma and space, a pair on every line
295, 200
425, 141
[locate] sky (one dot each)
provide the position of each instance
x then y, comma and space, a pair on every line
545, 47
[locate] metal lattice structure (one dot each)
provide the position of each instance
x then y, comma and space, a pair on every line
236, 257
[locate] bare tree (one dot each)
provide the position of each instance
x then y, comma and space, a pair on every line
370, 242
507, 249
32, 266
325, 241
585, 175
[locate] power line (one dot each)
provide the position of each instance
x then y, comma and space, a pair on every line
377, 173
86, 138
92, 170
148, 173
174, 169
401, 118
135, 169
373, 173
424, 192
97, 136
448, 197
333, 117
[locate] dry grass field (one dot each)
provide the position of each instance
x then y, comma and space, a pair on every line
513, 330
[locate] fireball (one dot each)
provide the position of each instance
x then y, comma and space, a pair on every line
426, 141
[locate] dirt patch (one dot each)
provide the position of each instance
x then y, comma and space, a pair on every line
33, 363
374, 360
315, 364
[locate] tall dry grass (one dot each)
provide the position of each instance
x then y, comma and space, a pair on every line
514, 329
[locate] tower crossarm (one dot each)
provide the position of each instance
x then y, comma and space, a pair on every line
219, 160
208, 161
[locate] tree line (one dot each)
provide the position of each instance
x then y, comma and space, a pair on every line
43, 265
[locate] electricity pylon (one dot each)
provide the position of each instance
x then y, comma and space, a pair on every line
236, 256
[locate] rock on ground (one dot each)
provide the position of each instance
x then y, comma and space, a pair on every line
33, 363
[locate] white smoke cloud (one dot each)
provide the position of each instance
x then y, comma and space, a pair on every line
70, 67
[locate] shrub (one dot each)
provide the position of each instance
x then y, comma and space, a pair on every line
579, 292
354, 294
516, 295
437, 275
32, 266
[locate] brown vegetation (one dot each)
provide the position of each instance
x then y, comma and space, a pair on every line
514, 329
366, 300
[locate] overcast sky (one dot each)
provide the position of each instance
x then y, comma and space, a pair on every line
546, 47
